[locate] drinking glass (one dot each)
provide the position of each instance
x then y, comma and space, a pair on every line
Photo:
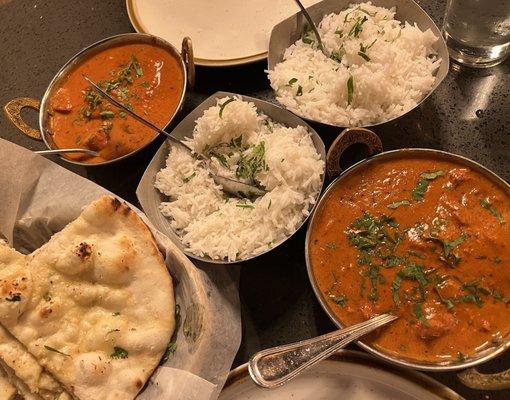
477, 32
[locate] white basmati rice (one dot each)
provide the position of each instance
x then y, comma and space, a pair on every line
392, 66
231, 228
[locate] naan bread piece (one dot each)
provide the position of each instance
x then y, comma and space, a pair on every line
22, 391
95, 304
7, 391
23, 369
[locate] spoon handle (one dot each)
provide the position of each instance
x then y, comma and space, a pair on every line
135, 115
312, 26
273, 367
64, 151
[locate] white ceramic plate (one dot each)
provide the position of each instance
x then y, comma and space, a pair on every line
347, 375
224, 32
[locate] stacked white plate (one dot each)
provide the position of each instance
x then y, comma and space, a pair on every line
224, 32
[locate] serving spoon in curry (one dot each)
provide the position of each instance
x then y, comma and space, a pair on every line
230, 186
274, 367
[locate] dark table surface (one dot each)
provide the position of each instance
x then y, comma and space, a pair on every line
468, 114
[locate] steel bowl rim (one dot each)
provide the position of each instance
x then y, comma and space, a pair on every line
437, 82
390, 154
80, 56
311, 210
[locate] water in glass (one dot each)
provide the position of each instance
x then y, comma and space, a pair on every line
477, 32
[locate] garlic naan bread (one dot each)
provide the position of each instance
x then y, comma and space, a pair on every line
95, 304
7, 391
22, 368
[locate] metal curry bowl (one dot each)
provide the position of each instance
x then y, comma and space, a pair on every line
150, 198
370, 140
14, 107
291, 29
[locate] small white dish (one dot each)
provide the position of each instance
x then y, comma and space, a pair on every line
224, 33
347, 375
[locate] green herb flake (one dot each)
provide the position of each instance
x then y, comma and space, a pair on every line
331, 245
416, 254
269, 125
420, 189
107, 114
188, 178
461, 357
244, 206
350, 89
308, 37
292, 82
269, 205
363, 55
170, 350
14, 297
449, 246
423, 184
500, 297
118, 353
357, 28
431, 175
56, 351
222, 106
341, 300
299, 91
395, 286
252, 163
399, 203
418, 311
485, 203
136, 66
337, 55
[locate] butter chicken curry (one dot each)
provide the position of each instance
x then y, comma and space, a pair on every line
145, 78
422, 238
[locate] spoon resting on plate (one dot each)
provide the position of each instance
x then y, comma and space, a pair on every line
230, 186
274, 367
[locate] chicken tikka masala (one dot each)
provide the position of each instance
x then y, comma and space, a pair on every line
423, 238
144, 77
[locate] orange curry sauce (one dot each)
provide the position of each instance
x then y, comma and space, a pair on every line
142, 76
425, 239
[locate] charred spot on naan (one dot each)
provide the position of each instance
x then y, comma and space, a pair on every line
84, 250
75, 259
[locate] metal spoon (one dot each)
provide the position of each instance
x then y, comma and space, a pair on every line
313, 27
63, 151
229, 185
276, 366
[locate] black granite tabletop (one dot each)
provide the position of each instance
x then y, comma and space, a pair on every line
468, 114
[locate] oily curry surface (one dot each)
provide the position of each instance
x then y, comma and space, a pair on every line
145, 78
425, 239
